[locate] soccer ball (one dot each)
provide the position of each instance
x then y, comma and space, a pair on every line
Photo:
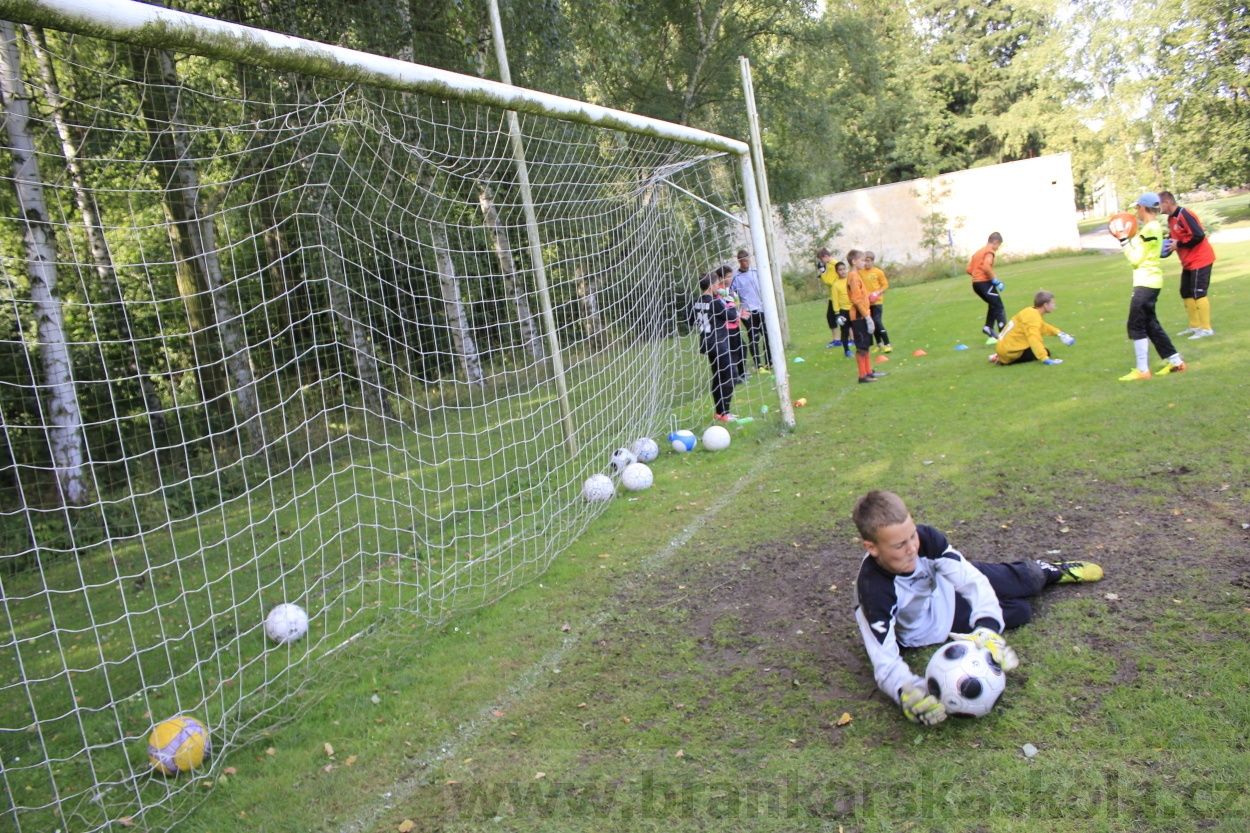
598, 487
286, 623
1122, 225
682, 441
621, 458
965, 678
645, 449
180, 744
716, 438
636, 477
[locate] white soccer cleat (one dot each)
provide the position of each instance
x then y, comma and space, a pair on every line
1201, 334
1188, 331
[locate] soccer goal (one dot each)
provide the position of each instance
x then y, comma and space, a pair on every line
285, 323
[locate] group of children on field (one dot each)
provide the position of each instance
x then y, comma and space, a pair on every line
914, 589
730, 301
855, 307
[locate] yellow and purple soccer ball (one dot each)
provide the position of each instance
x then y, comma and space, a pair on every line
178, 745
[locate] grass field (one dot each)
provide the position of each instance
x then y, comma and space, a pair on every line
688, 662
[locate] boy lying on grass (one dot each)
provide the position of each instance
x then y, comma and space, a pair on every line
915, 589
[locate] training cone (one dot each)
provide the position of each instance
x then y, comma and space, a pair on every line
798, 360
883, 358
961, 347
920, 353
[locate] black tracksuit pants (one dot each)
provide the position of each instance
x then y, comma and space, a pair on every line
1013, 583
996, 314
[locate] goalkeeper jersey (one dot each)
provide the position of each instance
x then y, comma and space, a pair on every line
919, 609
1024, 331
1145, 252
875, 281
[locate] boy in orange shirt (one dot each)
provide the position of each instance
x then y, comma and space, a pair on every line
987, 285
860, 315
876, 283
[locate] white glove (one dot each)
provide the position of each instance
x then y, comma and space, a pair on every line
1067, 340
841, 320
872, 328
985, 638
920, 706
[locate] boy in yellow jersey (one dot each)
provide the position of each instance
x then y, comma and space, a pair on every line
1143, 251
1021, 340
839, 307
876, 283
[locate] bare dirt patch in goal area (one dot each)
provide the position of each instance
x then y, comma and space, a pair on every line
791, 603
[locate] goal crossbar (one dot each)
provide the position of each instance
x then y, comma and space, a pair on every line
154, 27
149, 26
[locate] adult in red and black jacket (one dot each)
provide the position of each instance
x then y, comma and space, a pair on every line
1189, 240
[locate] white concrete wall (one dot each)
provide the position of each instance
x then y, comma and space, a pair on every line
1030, 202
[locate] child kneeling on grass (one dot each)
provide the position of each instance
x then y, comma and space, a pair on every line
915, 589
1021, 340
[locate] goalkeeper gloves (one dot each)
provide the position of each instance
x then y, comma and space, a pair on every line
841, 320
999, 285
1067, 340
872, 328
919, 706
1052, 361
1169, 246
985, 638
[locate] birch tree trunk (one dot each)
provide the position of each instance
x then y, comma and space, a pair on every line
588, 299
531, 338
340, 301
61, 412
197, 263
449, 286
96, 241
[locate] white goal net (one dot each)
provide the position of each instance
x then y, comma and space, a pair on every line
272, 338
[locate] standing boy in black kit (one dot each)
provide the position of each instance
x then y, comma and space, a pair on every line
711, 318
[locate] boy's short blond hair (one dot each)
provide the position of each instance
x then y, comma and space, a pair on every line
876, 509
1042, 298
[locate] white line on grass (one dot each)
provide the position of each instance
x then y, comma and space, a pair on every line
467, 733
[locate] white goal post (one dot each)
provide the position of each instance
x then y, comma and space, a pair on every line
152, 26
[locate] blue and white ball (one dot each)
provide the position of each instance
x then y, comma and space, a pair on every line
598, 488
682, 441
645, 449
965, 678
286, 623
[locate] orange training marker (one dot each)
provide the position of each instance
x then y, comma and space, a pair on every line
883, 358
920, 353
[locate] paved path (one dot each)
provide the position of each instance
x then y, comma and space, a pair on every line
1101, 240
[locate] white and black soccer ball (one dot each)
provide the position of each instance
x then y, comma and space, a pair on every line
286, 623
965, 678
621, 458
636, 477
598, 488
645, 449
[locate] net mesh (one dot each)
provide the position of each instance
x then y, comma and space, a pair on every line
308, 363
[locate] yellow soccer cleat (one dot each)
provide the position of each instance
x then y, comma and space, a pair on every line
1078, 571
1171, 368
887, 349
1134, 374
